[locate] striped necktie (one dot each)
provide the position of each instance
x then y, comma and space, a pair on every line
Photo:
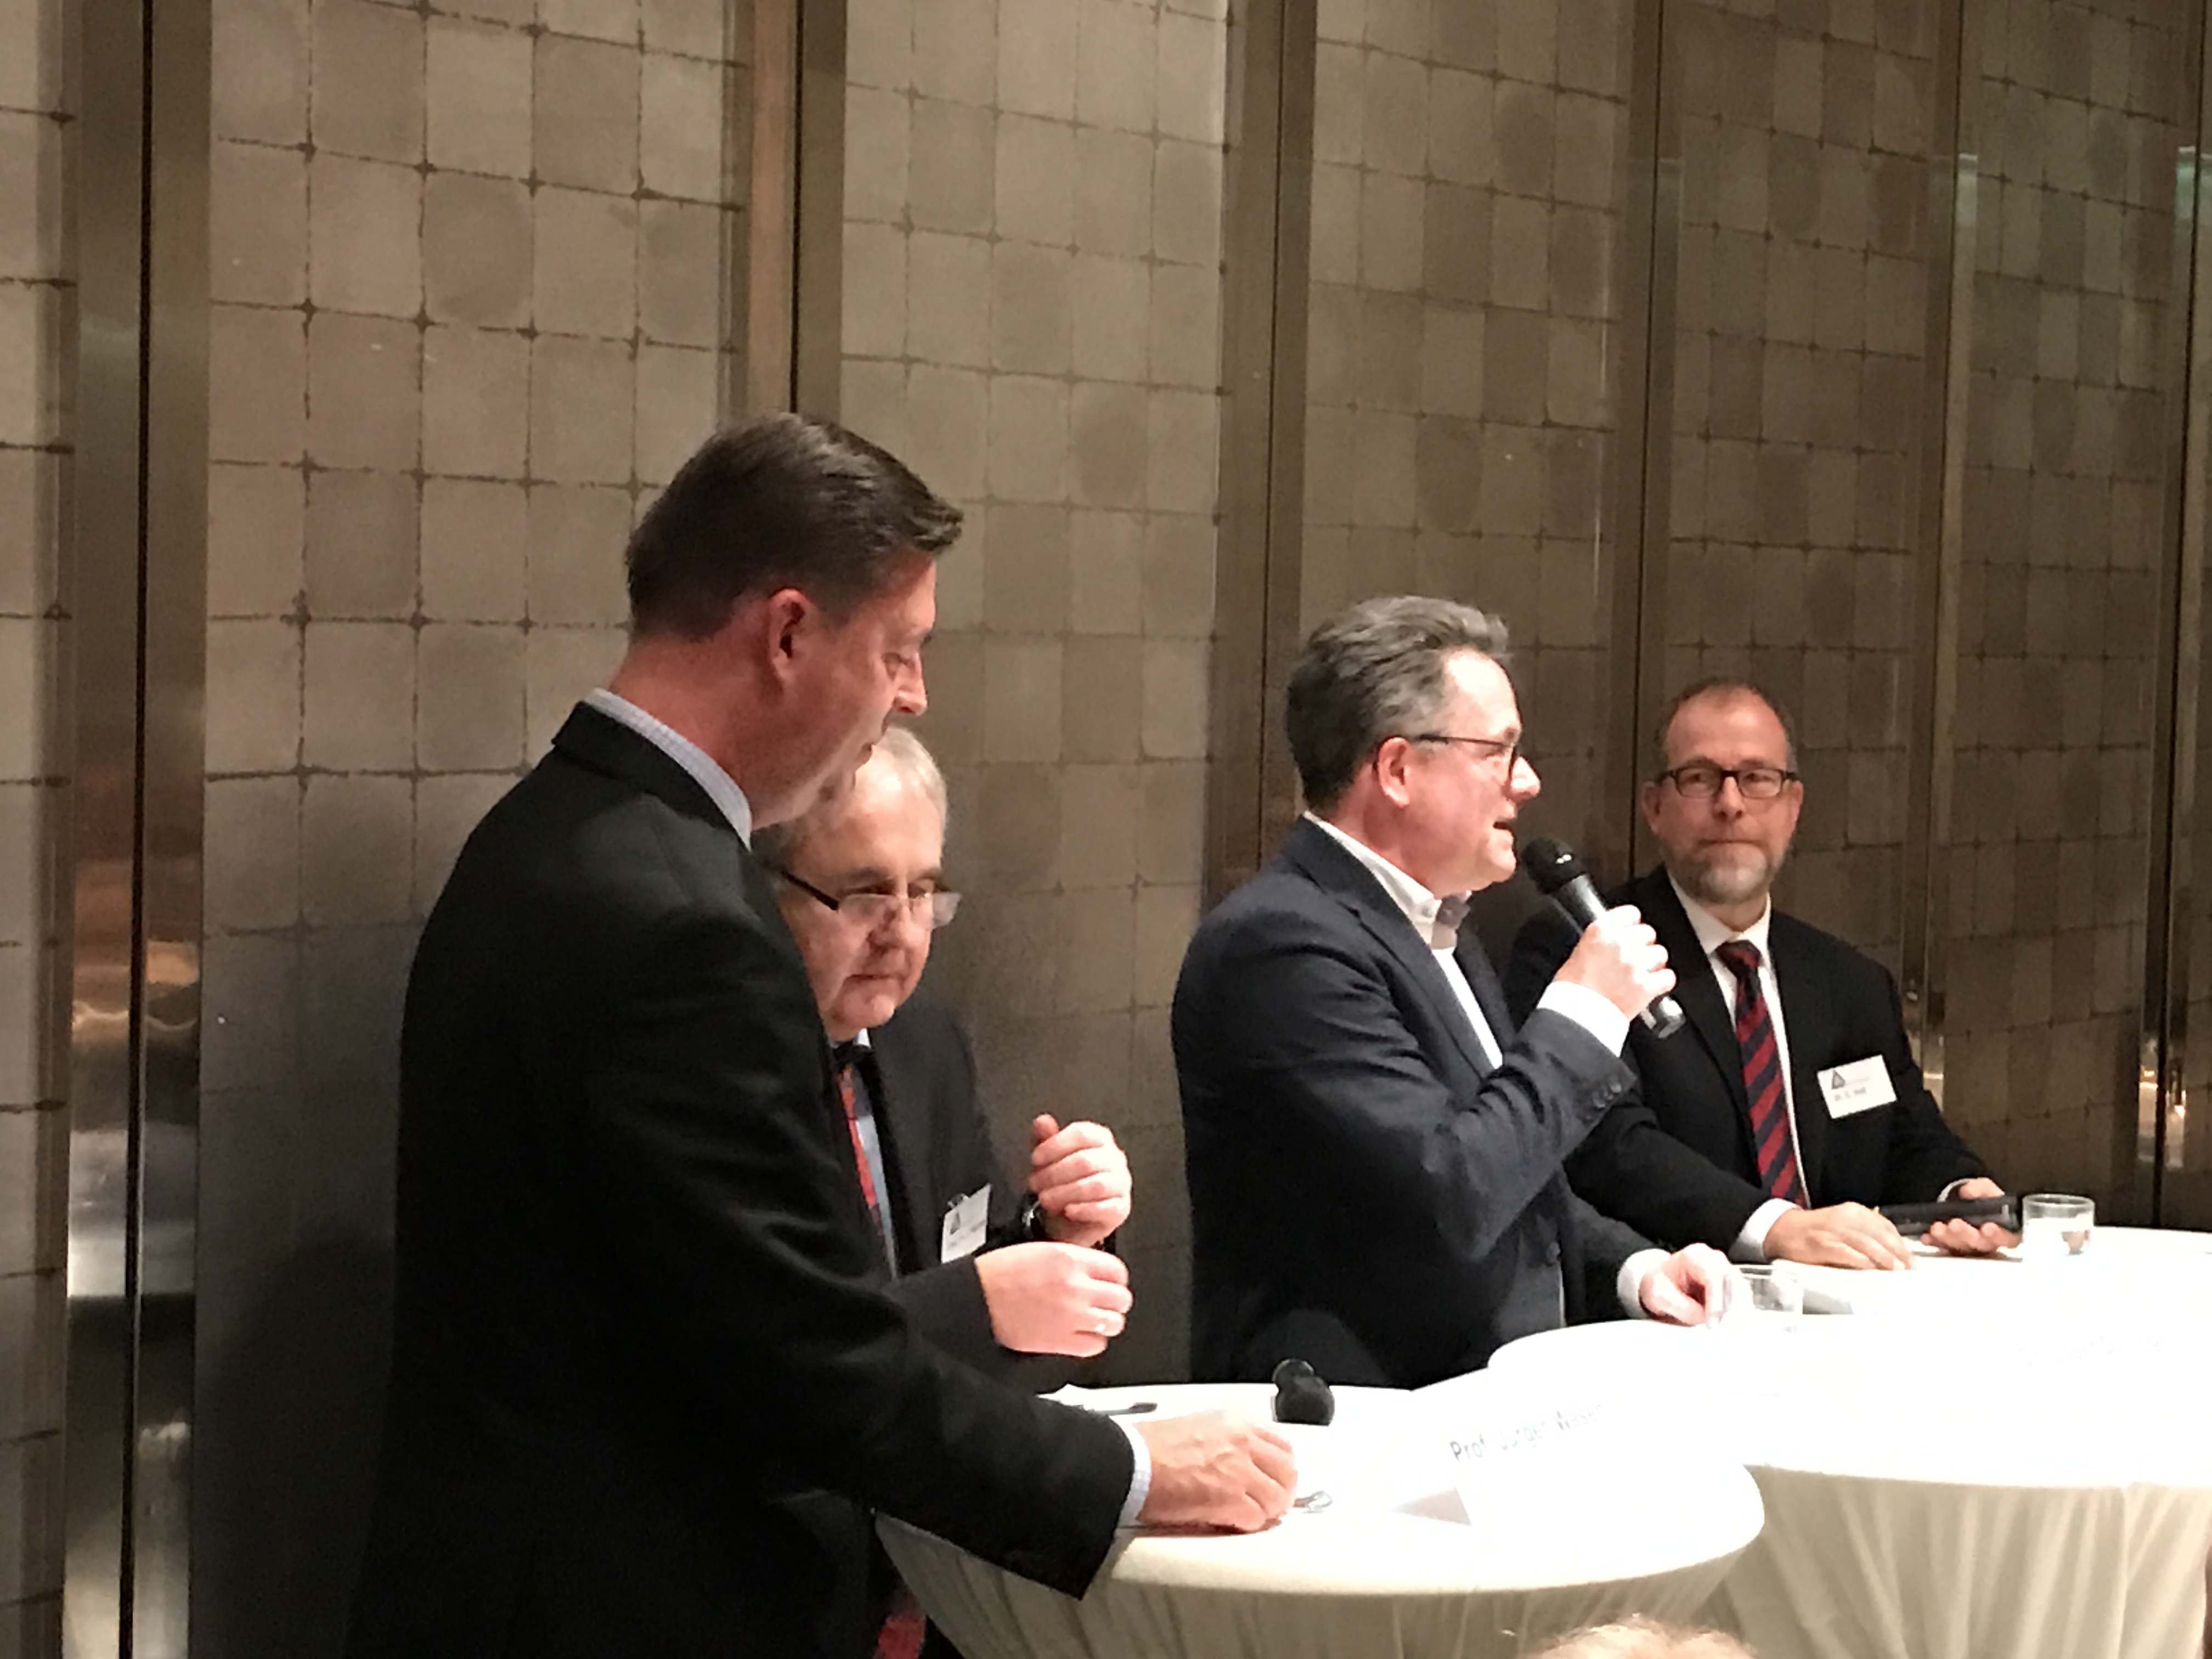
850, 1086
1762, 1075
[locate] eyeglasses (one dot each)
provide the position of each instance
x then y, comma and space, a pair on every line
932, 907
1700, 781
1506, 748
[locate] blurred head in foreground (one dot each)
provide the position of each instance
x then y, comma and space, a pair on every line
1641, 1638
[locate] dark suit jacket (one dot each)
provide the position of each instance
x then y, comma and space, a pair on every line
1676, 1161
938, 1150
639, 1311
1367, 1192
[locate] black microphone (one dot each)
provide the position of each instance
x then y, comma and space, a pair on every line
1559, 876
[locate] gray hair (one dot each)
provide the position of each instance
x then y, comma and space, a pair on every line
777, 844
1642, 1639
1717, 685
1373, 671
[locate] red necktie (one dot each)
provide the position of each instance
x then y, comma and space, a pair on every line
1762, 1075
900, 1637
847, 1056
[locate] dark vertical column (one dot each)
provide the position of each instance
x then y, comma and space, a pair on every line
2173, 1182
1953, 194
1268, 204
794, 294
138, 677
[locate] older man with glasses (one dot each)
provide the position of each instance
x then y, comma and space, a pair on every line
991, 1268
1791, 1104
995, 1270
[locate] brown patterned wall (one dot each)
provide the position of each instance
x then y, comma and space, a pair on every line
37, 293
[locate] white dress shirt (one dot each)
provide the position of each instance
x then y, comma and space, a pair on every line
1712, 933
1437, 921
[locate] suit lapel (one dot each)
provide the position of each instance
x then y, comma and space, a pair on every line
1695, 987
1317, 857
906, 1151
1807, 1020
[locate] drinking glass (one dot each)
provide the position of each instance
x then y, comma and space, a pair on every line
2055, 1224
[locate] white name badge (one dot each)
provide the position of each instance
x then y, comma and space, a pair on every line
964, 1223
1860, 1086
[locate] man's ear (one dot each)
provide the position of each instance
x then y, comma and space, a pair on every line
1393, 770
1647, 797
786, 619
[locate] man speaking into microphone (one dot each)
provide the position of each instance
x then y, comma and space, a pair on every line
1373, 1151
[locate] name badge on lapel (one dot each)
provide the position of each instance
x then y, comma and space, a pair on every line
1859, 1086
964, 1224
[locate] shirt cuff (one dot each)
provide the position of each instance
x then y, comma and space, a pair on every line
1751, 1244
1640, 1266
1589, 1009
1140, 1473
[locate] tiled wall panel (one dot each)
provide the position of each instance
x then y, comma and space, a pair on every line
2079, 110
1032, 293
37, 305
1802, 288
1468, 216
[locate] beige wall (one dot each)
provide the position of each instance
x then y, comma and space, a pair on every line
1799, 410
2066, 468
469, 272
1467, 203
36, 271
1032, 245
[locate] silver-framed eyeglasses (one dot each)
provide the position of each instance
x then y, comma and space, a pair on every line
1498, 749
1702, 780
932, 907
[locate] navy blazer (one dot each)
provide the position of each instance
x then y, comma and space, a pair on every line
646, 1376
1367, 1191
1677, 1160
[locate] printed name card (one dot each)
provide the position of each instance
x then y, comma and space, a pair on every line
1486, 1452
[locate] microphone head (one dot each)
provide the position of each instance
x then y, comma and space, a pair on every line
1550, 864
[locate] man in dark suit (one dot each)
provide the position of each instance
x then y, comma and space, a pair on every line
1782, 1156
641, 1313
1001, 1272
1373, 1151
992, 1268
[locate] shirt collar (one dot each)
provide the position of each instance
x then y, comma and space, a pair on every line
721, 788
1713, 933
1436, 919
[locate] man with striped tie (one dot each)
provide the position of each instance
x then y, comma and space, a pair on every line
1790, 1104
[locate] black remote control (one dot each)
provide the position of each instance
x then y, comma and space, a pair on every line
1914, 1219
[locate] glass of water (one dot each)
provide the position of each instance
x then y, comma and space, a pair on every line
2054, 1224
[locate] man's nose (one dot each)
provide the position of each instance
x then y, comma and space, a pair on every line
1524, 783
910, 697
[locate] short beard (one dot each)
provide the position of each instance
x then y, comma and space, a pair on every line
1714, 884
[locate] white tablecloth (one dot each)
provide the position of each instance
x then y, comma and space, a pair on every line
1570, 1533
1989, 1460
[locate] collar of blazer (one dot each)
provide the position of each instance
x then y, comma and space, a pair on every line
1315, 856
603, 745
1806, 1014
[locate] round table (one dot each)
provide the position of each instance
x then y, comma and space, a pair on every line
1571, 1532
1989, 1457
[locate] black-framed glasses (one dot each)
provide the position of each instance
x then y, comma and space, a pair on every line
1507, 749
932, 907
1702, 780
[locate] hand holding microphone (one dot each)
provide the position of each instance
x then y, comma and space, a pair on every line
1619, 957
